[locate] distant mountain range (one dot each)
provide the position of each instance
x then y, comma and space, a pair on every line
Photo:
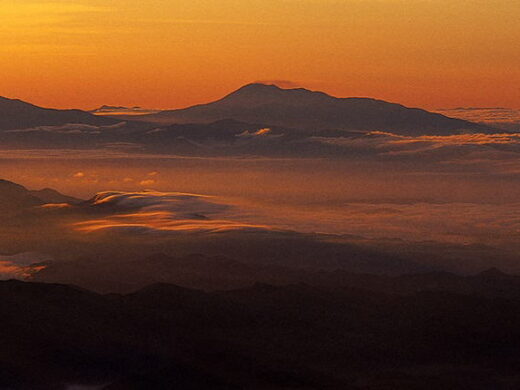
301, 108
268, 105
257, 119
16, 114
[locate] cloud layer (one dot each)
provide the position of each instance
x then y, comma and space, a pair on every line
21, 266
154, 212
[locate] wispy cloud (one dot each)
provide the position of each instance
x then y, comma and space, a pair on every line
34, 26
159, 212
21, 266
34, 13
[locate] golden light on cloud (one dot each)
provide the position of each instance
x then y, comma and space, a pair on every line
161, 222
156, 212
11, 270
56, 206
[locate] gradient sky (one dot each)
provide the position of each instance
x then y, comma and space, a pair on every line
173, 53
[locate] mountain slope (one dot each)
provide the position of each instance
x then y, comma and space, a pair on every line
14, 197
301, 108
16, 114
48, 195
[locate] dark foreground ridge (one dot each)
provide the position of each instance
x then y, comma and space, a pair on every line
270, 337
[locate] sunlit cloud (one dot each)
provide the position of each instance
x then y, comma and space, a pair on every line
261, 132
56, 206
21, 266
162, 222
153, 212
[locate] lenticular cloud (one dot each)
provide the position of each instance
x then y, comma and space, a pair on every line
154, 212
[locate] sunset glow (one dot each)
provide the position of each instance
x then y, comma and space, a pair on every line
259, 194
168, 54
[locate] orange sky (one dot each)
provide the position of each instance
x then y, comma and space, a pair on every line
173, 53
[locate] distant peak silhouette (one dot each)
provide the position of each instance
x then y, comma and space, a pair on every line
301, 108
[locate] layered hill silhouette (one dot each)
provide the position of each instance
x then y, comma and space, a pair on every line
302, 108
16, 114
271, 337
212, 273
263, 104
15, 197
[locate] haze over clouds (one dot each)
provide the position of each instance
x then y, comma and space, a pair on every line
355, 235
497, 116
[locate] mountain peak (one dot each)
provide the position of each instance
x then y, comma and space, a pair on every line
267, 94
256, 89
300, 108
259, 86
273, 88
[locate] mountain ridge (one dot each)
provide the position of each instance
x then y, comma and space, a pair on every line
303, 108
254, 338
18, 114
14, 197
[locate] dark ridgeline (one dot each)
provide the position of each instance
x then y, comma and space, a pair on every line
14, 197
259, 103
212, 273
16, 114
304, 109
269, 337
297, 123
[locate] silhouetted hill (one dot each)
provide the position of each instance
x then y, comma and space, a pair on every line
210, 273
301, 108
14, 197
48, 195
16, 114
270, 337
